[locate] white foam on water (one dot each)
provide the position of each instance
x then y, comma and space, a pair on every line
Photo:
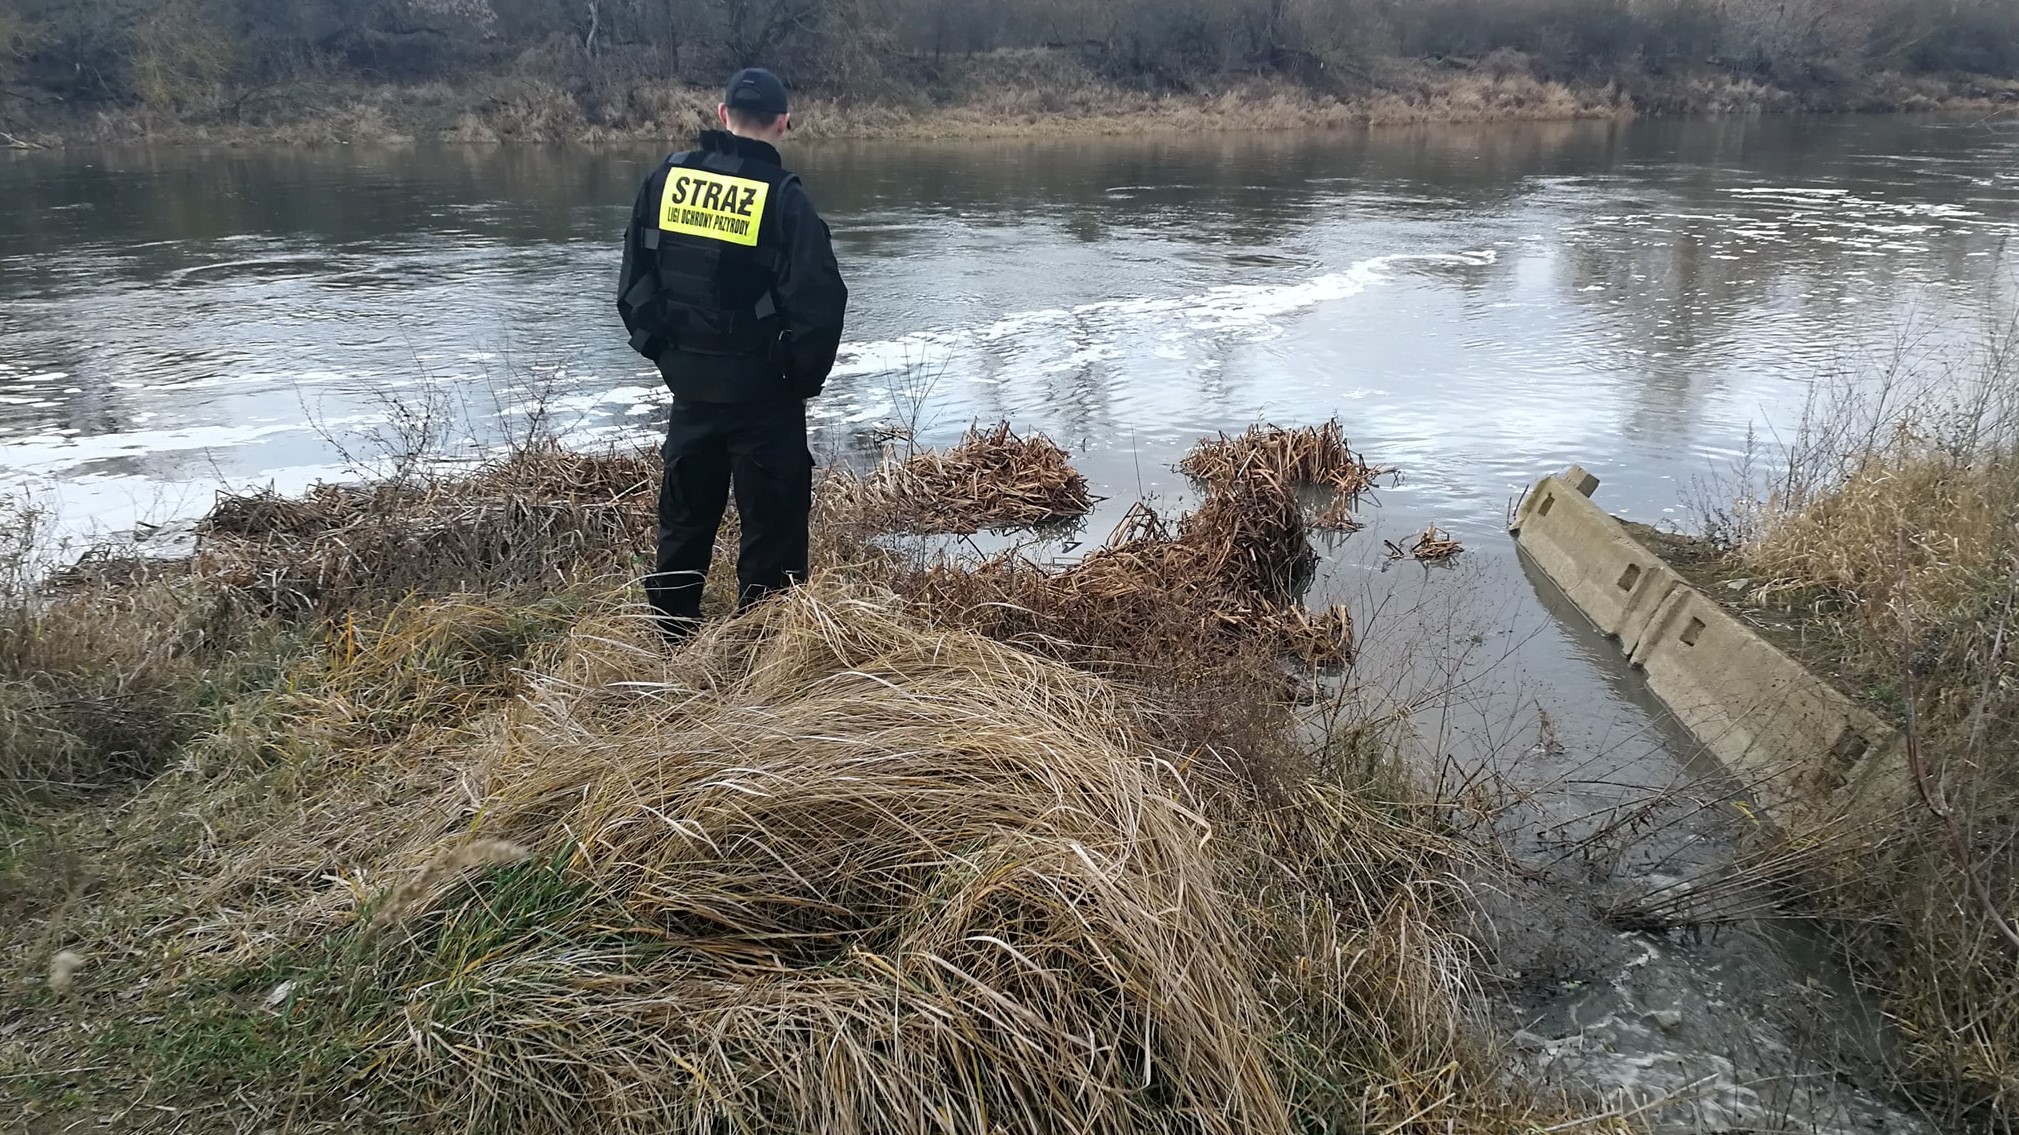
58, 451
613, 396
1672, 1074
1787, 191
1057, 340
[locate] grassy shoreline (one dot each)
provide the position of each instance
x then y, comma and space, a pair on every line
385, 810
506, 109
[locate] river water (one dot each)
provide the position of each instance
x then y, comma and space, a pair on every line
1478, 305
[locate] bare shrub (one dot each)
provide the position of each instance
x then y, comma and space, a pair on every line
1893, 529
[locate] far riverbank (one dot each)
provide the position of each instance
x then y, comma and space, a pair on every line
513, 109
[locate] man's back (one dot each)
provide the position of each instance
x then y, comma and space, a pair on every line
730, 286
729, 282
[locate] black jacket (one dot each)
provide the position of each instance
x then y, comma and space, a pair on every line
810, 297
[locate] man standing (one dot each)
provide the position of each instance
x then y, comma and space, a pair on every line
730, 286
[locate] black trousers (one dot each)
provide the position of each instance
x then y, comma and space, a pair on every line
760, 448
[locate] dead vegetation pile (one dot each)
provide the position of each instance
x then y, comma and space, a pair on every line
1274, 460
539, 518
992, 479
1153, 597
1430, 545
1220, 586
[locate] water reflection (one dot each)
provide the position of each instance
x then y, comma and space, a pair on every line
1480, 298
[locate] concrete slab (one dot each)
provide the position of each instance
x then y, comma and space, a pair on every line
1809, 753
1616, 582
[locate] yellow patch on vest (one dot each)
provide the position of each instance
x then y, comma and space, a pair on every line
712, 205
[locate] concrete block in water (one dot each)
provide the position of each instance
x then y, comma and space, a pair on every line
1617, 583
1804, 749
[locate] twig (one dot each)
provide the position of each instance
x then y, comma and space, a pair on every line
1990, 681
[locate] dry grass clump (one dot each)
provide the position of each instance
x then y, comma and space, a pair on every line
1911, 537
833, 870
100, 682
1272, 459
1306, 455
1151, 598
474, 855
836, 869
992, 479
426, 661
537, 518
1353, 899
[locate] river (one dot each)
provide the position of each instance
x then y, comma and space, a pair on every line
1478, 304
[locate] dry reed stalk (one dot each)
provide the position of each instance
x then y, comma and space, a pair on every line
993, 479
446, 865
836, 870
1274, 459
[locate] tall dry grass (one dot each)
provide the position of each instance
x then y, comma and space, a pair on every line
108, 668
832, 868
842, 871
475, 854
1891, 530
537, 519
839, 869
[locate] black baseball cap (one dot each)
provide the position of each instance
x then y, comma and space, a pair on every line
755, 89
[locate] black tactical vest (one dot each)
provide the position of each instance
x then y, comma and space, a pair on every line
719, 241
